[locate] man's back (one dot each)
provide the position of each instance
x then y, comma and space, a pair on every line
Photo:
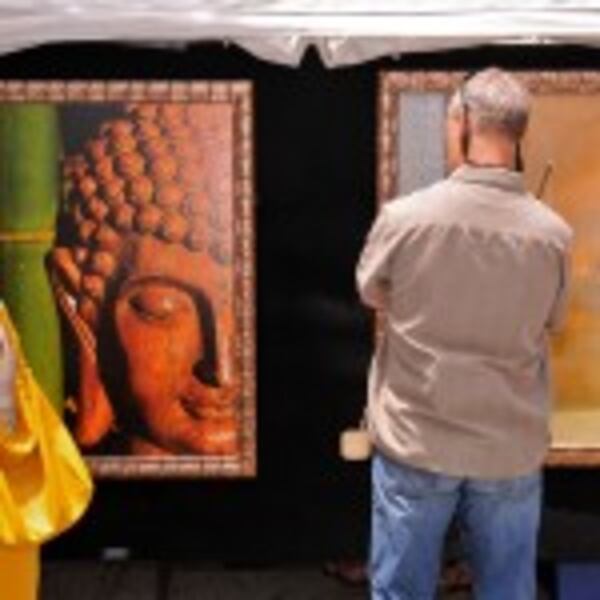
475, 269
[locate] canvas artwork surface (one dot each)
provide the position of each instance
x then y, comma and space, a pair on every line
146, 249
561, 165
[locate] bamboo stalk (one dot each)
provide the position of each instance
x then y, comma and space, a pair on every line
29, 194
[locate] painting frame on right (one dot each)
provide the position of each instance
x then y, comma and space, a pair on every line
558, 167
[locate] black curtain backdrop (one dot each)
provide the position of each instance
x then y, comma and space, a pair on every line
315, 184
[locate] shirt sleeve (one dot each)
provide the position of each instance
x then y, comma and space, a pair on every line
558, 313
373, 270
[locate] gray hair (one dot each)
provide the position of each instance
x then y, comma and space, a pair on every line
496, 101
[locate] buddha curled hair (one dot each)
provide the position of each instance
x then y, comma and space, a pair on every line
141, 175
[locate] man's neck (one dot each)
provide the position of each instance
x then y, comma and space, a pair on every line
492, 153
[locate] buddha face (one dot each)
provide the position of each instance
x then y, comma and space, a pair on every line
141, 271
159, 329
174, 400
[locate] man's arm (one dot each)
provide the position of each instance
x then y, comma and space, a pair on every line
372, 272
558, 313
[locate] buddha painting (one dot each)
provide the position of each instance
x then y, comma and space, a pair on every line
143, 273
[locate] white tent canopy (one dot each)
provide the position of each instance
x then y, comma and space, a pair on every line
344, 31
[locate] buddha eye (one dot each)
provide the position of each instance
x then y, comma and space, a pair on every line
155, 303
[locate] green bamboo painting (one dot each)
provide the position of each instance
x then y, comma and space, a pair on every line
29, 196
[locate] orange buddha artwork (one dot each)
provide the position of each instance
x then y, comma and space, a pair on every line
144, 271
561, 147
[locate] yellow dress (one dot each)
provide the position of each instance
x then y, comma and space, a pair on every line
44, 483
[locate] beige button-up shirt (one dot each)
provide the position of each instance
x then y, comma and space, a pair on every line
470, 275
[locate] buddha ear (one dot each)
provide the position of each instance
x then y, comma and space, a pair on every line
95, 415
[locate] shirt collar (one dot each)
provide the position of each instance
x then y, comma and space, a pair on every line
500, 177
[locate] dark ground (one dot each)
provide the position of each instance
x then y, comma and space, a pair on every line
137, 580
153, 581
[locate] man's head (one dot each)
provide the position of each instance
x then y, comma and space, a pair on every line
487, 118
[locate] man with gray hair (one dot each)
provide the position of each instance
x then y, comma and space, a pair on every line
469, 275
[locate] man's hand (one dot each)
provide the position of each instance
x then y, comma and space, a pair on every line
8, 367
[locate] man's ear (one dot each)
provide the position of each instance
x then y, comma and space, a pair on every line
454, 143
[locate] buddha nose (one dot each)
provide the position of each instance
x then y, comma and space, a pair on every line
205, 371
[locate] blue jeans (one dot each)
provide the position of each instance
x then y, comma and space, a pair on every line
412, 510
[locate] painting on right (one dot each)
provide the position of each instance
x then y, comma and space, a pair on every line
562, 165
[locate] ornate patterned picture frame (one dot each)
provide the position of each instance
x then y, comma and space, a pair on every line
129, 205
561, 165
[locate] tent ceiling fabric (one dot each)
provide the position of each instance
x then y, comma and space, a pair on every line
344, 31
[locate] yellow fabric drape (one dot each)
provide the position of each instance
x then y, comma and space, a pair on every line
44, 483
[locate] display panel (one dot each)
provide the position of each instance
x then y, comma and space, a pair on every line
150, 261
562, 166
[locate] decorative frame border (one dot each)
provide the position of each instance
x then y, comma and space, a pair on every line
240, 94
392, 85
